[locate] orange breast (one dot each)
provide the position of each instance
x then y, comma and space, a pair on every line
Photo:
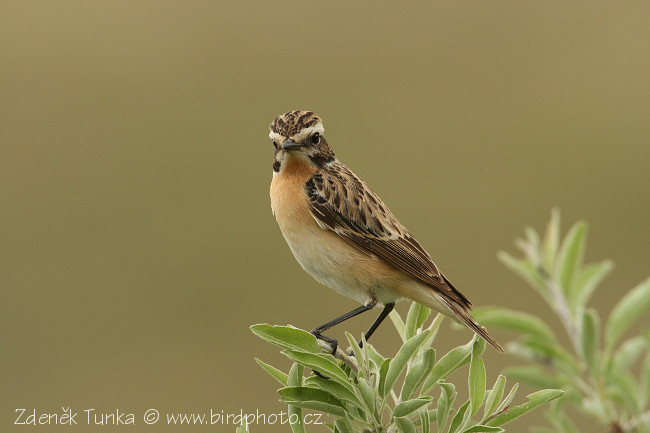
322, 253
289, 199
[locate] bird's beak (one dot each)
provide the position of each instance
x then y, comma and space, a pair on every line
290, 145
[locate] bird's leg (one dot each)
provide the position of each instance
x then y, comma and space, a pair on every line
384, 313
317, 332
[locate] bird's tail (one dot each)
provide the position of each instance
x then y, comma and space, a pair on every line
463, 316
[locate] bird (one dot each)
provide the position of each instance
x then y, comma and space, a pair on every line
345, 237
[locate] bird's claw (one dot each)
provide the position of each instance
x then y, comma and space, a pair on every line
333, 342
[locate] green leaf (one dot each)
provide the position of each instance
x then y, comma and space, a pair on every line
644, 386
296, 427
586, 281
450, 362
312, 398
628, 353
405, 425
628, 309
513, 320
537, 429
483, 429
417, 314
322, 363
358, 353
535, 399
589, 339
425, 312
478, 344
277, 374
530, 252
433, 328
406, 408
318, 406
344, 425
558, 417
334, 388
295, 379
425, 420
506, 401
398, 364
416, 374
374, 356
243, 428
295, 375
560, 357
398, 323
623, 388
570, 256
383, 372
494, 396
461, 417
551, 240
532, 237
532, 375
527, 271
476, 379
594, 407
367, 394
447, 397
287, 337
450, 388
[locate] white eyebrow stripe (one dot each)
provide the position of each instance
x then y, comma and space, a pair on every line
276, 138
304, 133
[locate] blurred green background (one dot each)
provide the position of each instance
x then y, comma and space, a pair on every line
137, 242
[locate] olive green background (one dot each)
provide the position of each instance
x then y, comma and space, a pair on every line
137, 243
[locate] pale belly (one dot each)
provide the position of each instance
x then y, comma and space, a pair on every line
339, 266
322, 253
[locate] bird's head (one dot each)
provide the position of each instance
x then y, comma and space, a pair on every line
299, 134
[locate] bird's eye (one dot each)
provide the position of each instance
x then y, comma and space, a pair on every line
274, 144
315, 138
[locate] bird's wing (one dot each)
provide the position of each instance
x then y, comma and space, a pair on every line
344, 204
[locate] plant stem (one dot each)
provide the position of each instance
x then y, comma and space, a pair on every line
561, 309
637, 422
339, 354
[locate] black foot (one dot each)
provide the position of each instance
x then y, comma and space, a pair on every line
319, 374
333, 342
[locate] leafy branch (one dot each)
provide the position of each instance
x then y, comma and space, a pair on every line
596, 371
367, 392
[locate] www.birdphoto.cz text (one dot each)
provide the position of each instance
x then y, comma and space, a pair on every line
153, 416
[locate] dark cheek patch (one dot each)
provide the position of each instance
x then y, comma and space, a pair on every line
276, 166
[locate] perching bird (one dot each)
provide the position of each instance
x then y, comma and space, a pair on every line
345, 237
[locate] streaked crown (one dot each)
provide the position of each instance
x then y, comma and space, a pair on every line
289, 124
